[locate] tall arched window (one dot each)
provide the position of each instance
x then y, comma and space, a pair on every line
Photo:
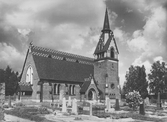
73, 89
58, 89
70, 89
112, 52
55, 90
29, 75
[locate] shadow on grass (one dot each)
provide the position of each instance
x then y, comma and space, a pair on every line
31, 113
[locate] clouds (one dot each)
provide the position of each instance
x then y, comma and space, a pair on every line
61, 24
150, 41
75, 26
11, 56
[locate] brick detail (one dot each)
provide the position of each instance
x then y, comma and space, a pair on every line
107, 72
30, 62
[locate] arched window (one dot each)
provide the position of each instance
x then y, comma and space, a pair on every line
55, 90
29, 75
73, 89
58, 89
69, 90
112, 53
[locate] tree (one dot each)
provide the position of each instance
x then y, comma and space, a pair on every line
158, 78
136, 81
11, 80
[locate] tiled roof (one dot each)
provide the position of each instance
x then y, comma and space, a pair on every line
85, 87
60, 66
45, 52
24, 86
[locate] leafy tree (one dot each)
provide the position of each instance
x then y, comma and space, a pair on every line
158, 78
136, 81
11, 81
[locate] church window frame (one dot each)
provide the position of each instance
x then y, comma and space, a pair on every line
58, 89
55, 89
73, 90
112, 52
69, 90
29, 75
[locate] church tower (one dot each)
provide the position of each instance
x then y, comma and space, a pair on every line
106, 63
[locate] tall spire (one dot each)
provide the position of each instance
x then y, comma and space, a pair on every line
106, 26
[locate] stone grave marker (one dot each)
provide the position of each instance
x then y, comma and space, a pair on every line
61, 96
108, 105
117, 104
147, 102
86, 108
74, 106
91, 109
64, 107
141, 108
69, 101
158, 101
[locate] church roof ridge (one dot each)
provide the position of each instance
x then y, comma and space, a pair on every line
61, 53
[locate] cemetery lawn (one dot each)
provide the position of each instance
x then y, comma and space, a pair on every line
42, 112
30, 113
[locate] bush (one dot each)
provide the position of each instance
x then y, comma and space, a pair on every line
133, 99
19, 104
5, 106
43, 110
78, 118
98, 107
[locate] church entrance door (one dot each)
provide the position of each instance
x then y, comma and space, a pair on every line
91, 94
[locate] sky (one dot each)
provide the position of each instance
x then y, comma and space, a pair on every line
75, 26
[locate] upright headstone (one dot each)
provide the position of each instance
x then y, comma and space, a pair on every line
9, 103
158, 101
69, 101
147, 102
117, 104
64, 107
108, 104
74, 106
141, 108
91, 109
61, 96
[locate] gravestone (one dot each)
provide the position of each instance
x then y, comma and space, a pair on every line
108, 104
117, 104
64, 107
61, 96
158, 101
141, 108
90, 109
9, 102
147, 102
69, 101
86, 108
74, 106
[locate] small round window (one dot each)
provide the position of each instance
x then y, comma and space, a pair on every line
112, 85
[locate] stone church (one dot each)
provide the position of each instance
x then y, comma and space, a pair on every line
49, 74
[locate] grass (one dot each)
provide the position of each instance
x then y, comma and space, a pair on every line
31, 113
35, 114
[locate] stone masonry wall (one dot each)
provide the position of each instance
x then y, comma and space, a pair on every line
106, 72
29, 62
